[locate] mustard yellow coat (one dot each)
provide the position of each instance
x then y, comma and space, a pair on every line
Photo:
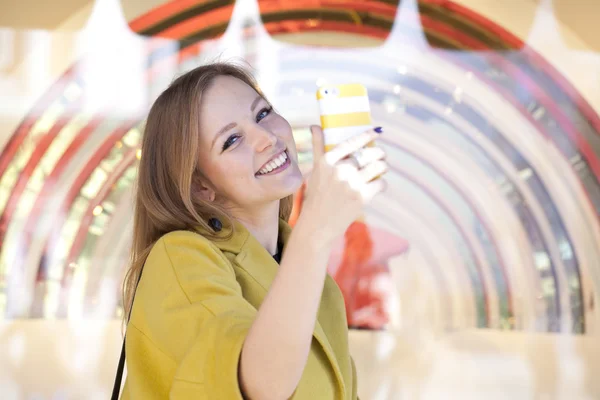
193, 307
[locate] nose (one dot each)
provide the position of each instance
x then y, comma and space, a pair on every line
263, 138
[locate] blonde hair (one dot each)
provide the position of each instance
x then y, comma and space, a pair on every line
168, 171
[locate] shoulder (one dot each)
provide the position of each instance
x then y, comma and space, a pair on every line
190, 262
185, 239
185, 247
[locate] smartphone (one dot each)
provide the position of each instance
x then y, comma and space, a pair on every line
345, 112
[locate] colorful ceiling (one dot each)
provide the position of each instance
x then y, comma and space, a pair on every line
495, 172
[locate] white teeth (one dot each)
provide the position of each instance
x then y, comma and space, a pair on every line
279, 161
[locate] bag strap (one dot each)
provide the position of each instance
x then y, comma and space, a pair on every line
121, 367
119, 377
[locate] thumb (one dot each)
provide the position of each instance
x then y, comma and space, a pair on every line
318, 142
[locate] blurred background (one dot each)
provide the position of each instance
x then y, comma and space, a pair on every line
477, 272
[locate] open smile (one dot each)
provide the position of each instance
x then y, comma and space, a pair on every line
276, 165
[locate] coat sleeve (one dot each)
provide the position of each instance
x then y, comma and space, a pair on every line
354, 380
195, 312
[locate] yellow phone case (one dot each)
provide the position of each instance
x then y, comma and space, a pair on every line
345, 112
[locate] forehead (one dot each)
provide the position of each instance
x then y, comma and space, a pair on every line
227, 91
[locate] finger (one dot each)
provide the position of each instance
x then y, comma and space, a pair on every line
372, 189
349, 146
373, 170
349, 161
367, 156
318, 143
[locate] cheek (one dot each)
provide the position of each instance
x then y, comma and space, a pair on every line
284, 130
235, 169
280, 126
222, 174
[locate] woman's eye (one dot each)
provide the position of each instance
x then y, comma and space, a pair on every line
230, 141
263, 113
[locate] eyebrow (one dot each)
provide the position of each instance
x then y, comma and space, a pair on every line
233, 124
255, 102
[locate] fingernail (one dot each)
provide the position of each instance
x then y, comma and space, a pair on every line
378, 129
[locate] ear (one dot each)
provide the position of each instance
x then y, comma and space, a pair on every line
206, 194
203, 189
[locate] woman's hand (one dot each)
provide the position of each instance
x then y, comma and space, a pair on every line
338, 188
335, 195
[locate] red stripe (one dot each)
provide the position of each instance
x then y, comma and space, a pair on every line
161, 13
129, 158
462, 38
48, 185
194, 24
275, 28
375, 7
82, 232
17, 138
165, 11
214, 17
40, 149
62, 214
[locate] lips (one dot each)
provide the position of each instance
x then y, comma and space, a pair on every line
271, 159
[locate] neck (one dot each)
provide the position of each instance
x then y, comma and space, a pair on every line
263, 224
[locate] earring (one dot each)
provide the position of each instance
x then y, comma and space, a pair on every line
215, 223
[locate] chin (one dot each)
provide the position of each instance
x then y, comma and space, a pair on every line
293, 184
297, 185
289, 187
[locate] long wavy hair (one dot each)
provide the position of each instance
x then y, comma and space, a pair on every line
168, 172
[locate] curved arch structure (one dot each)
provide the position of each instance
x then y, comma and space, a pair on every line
485, 139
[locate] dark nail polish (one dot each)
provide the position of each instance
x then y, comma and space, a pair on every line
378, 129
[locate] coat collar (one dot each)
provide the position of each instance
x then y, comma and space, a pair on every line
253, 258
241, 237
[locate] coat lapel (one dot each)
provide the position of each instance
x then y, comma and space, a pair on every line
256, 261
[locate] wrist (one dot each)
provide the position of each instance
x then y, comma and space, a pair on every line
312, 236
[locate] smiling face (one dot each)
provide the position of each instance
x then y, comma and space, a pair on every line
247, 150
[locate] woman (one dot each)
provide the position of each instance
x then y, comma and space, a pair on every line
228, 299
